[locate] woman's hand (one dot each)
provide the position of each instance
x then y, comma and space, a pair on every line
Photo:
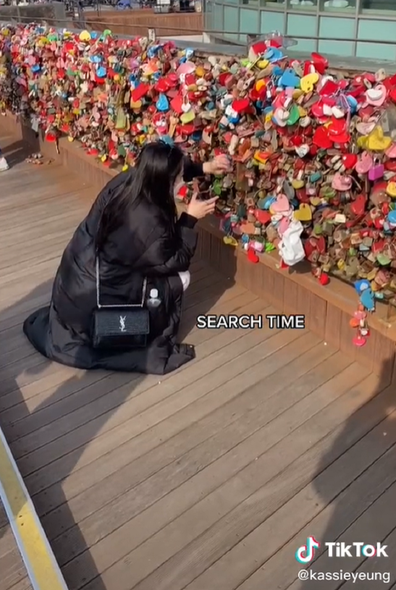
219, 165
200, 209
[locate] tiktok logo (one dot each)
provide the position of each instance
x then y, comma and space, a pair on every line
306, 553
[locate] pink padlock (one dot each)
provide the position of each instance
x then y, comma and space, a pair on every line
258, 246
360, 315
376, 172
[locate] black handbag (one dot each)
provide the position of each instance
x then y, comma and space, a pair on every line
120, 327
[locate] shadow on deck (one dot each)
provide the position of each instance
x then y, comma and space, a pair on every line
206, 479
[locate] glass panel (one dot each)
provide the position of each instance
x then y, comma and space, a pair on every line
375, 51
275, 4
208, 16
230, 23
305, 45
333, 27
344, 6
253, 3
217, 17
303, 5
384, 7
248, 22
303, 25
377, 30
271, 21
342, 48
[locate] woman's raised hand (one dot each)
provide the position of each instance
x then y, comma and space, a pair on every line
200, 209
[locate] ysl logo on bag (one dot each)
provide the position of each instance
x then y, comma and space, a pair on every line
122, 323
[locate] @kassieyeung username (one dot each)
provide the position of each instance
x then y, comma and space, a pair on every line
341, 576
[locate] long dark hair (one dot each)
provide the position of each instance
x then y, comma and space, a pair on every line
152, 180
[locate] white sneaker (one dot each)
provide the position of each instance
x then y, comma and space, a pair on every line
3, 164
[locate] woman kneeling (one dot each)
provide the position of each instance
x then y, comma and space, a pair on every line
129, 251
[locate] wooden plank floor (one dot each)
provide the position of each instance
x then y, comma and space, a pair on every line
206, 479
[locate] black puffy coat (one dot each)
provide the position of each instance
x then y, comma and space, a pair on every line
144, 246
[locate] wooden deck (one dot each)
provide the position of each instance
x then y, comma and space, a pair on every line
206, 479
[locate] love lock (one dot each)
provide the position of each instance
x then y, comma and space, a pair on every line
309, 150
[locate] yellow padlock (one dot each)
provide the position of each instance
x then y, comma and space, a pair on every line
262, 63
377, 141
85, 36
308, 82
391, 189
296, 183
303, 213
200, 71
230, 241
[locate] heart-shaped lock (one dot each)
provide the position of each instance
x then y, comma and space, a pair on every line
308, 82
187, 117
317, 109
262, 216
177, 104
337, 112
298, 183
283, 225
281, 116
377, 141
303, 213
391, 219
320, 63
281, 205
358, 206
305, 122
136, 105
252, 256
365, 128
378, 194
321, 138
349, 161
380, 75
185, 68
247, 228
328, 86
162, 85
302, 150
341, 182
230, 241
364, 163
262, 64
85, 36
391, 151
376, 96
294, 115
289, 79
241, 105
185, 106
139, 92
391, 189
